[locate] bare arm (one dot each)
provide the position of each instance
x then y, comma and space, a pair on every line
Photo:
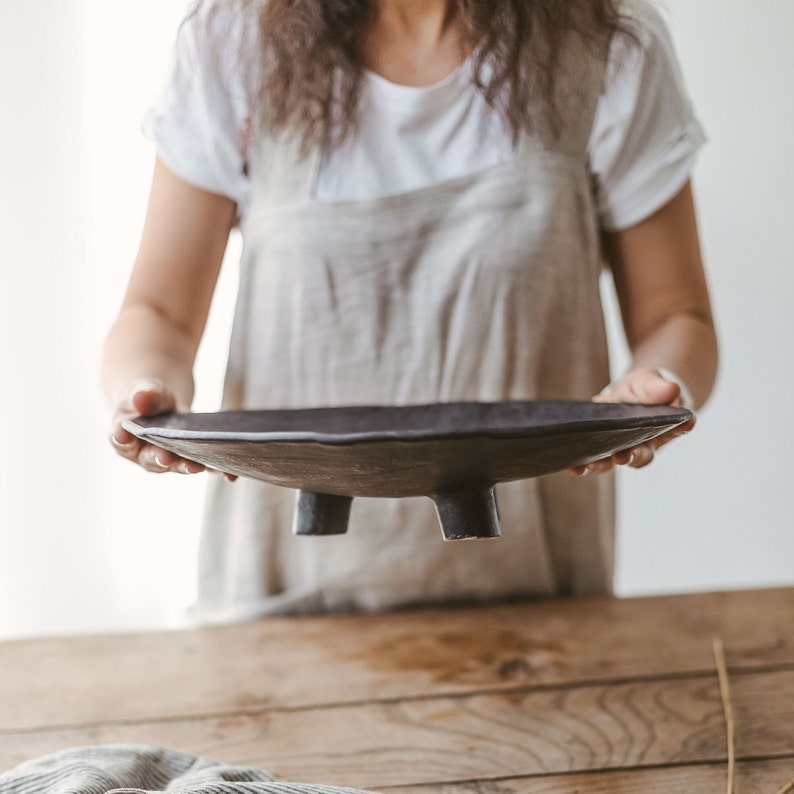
664, 301
150, 349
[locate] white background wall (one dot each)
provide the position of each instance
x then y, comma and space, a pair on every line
89, 543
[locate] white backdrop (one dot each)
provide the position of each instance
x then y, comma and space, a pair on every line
89, 543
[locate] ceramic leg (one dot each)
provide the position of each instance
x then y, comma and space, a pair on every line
471, 514
321, 514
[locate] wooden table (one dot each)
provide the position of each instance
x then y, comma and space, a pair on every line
587, 695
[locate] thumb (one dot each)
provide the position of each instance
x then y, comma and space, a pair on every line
151, 397
643, 386
652, 389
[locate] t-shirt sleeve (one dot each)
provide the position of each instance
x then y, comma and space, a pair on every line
645, 135
199, 123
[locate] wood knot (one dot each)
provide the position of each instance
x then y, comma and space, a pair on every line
514, 668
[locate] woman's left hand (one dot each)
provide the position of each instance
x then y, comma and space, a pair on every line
644, 387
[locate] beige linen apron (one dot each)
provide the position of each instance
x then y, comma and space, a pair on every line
480, 288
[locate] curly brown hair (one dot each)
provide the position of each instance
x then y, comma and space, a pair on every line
306, 73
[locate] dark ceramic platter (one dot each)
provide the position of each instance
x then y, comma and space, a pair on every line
452, 452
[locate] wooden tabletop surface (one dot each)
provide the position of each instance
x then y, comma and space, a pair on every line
595, 695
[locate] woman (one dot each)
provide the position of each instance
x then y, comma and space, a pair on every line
427, 190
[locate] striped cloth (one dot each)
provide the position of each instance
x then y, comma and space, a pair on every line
144, 769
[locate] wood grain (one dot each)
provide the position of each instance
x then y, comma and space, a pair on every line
474, 737
759, 777
301, 662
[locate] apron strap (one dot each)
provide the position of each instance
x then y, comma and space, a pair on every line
580, 81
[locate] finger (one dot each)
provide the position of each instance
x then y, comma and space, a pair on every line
156, 459
602, 466
184, 466
595, 467
170, 461
636, 457
622, 458
641, 456
126, 448
152, 459
121, 438
179, 466
163, 460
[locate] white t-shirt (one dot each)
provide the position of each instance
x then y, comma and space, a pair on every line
641, 150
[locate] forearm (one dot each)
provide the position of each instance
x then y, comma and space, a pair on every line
686, 344
143, 344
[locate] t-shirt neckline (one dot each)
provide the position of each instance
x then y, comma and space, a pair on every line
412, 96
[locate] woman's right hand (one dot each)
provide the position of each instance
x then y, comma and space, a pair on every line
165, 307
148, 398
